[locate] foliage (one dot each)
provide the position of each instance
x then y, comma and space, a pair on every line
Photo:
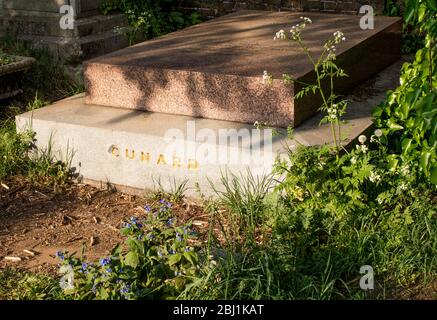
5, 59
18, 155
46, 79
156, 263
150, 18
408, 117
19, 285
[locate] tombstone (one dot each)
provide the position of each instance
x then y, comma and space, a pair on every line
38, 22
183, 106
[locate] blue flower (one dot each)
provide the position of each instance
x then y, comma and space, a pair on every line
178, 237
125, 290
147, 208
105, 261
186, 230
170, 222
94, 289
160, 254
60, 255
187, 249
172, 251
84, 266
151, 236
140, 236
109, 270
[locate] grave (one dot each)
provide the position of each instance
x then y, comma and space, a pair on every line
182, 107
186, 72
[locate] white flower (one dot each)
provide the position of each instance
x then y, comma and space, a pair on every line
378, 133
280, 35
362, 139
353, 160
380, 201
362, 148
306, 20
403, 186
374, 177
339, 37
405, 170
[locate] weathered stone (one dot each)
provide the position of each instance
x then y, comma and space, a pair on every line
38, 22
214, 70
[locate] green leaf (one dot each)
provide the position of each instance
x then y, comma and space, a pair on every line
410, 10
132, 259
191, 257
393, 125
175, 258
432, 4
424, 161
407, 144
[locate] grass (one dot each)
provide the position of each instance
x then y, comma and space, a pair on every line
45, 82
20, 285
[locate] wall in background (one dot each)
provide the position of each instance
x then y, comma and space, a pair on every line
213, 8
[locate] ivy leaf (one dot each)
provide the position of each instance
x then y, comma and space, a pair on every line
407, 144
424, 161
393, 125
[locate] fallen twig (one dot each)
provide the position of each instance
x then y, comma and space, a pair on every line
13, 259
29, 252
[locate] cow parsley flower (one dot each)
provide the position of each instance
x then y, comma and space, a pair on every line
374, 177
280, 35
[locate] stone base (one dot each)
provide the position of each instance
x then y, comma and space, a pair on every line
138, 149
214, 70
90, 37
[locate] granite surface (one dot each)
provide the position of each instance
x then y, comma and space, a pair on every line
214, 70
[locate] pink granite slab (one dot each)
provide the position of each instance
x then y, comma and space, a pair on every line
214, 70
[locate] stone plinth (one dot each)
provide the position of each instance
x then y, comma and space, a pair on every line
214, 70
38, 22
132, 149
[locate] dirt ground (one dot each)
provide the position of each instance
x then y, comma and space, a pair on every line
35, 223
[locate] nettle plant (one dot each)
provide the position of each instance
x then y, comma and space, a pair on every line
326, 71
155, 262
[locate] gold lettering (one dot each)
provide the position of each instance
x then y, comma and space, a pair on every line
176, 162
161, 159
145, 157
193, 164
132, 154
115, 152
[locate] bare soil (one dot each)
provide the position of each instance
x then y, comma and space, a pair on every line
38, 220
